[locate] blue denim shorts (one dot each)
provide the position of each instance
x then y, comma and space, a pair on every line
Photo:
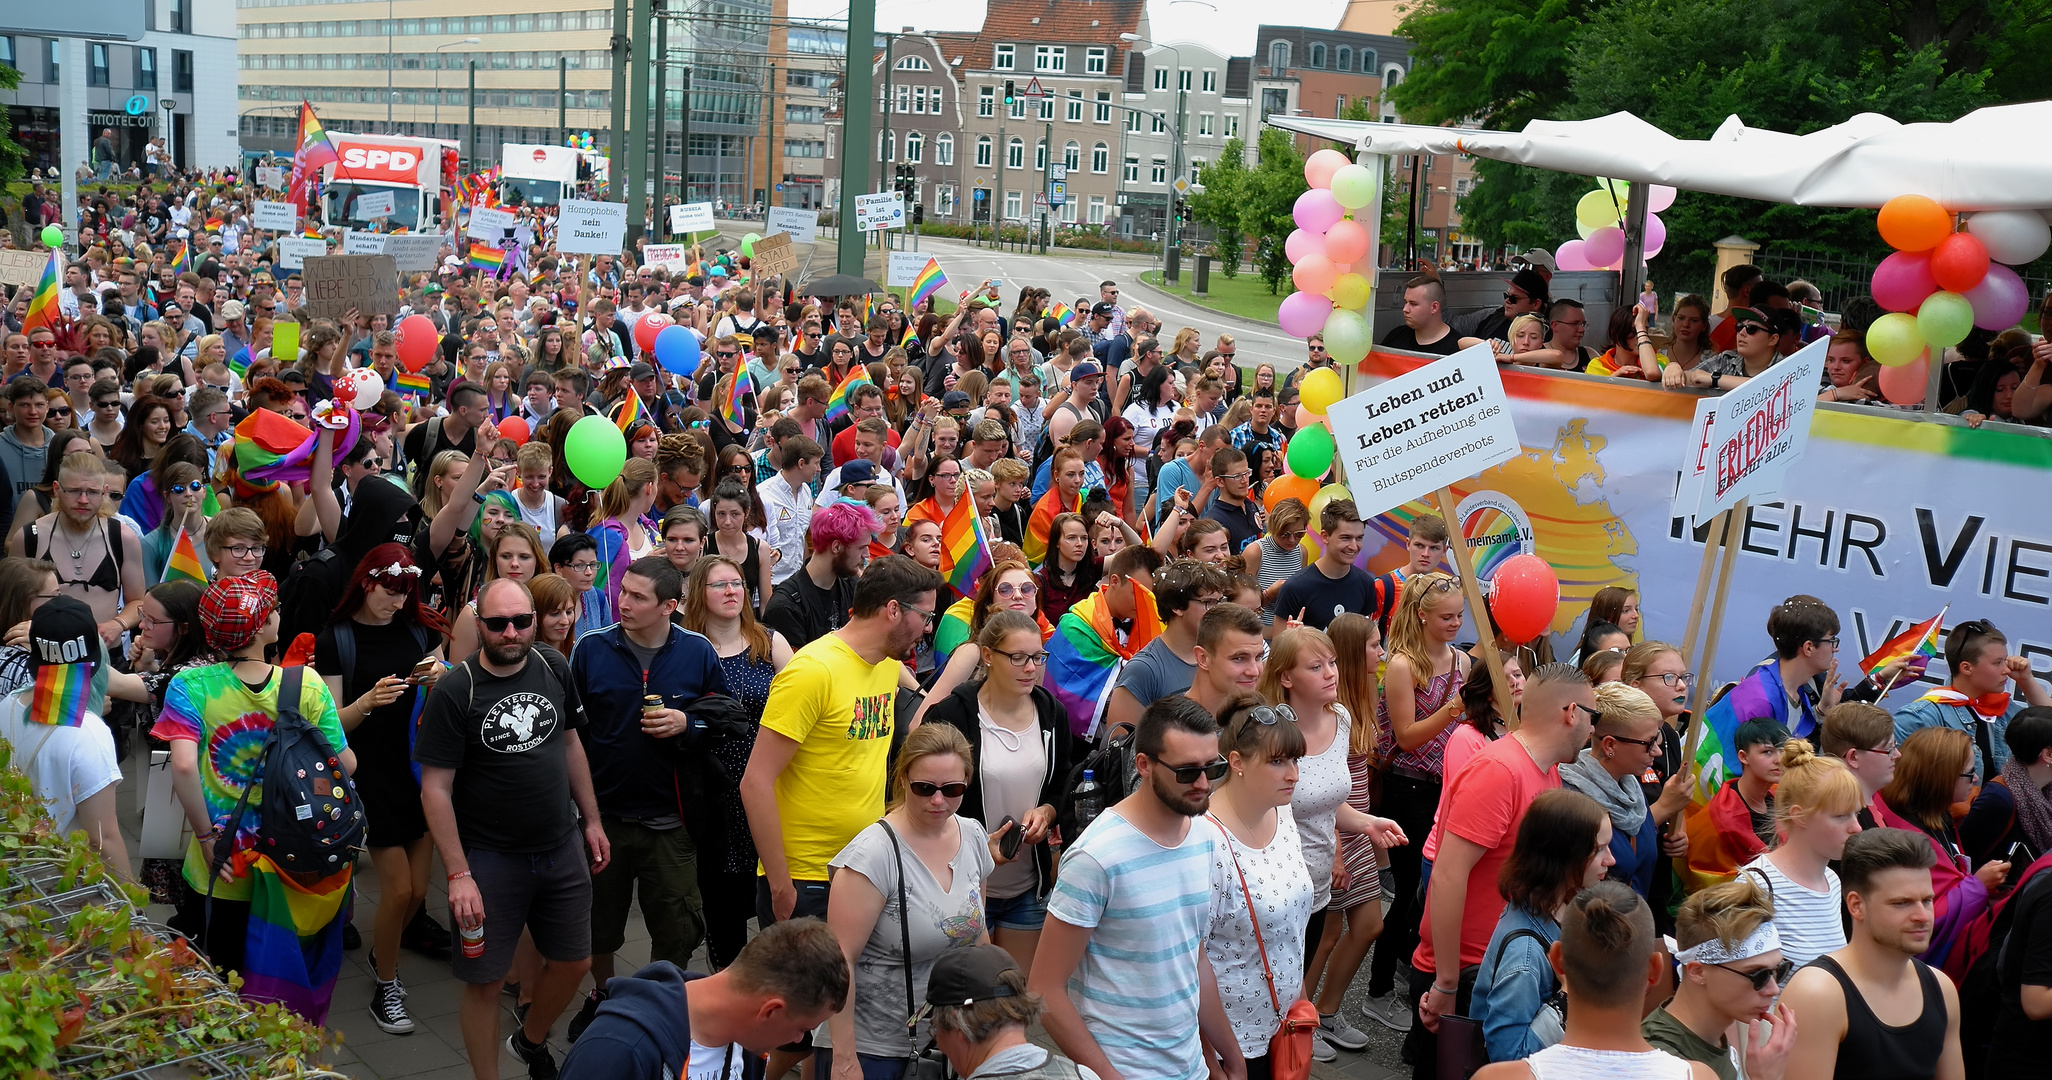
1026, 911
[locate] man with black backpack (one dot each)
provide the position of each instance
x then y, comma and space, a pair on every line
499, 776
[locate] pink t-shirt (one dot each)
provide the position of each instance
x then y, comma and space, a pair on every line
1483, 805
1461, 747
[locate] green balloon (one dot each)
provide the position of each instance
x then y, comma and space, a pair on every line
1353, 186
1945, 318
53, 236
1311, 450
748, 243
1346, 336
595, 451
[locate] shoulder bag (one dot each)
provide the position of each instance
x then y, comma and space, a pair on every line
920, 1064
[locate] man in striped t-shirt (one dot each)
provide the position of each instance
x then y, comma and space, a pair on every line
1121, 961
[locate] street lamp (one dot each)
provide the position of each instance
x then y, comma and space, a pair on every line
438, 79
1168, 226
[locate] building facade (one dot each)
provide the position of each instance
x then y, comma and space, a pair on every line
1169, 85
725, 44
809, 85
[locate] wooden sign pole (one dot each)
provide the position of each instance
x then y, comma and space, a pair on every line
1485, 629
1712, 541
1700, 703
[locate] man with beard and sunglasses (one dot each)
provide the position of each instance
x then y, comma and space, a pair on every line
1129, 911
501, 773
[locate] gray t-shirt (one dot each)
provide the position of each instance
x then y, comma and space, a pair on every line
1155, 673
940, 919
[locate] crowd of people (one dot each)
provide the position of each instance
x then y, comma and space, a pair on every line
1169, 773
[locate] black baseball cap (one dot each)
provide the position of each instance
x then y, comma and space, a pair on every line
967, 976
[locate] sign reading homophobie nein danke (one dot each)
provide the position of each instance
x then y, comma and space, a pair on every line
337, 283
591, 228
1421, 431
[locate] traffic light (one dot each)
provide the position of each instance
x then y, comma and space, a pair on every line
1011, 94
918, 214
1182, 210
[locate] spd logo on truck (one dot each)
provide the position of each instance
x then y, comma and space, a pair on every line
377, 161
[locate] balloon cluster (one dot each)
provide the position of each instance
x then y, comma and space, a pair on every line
1331, 236
1308, 455
1599, 217
580, 141
1941, 284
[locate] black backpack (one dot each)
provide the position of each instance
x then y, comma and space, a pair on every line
310, 820
1113, 769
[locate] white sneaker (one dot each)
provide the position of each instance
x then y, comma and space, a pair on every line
1341, 1034
1322, 1050
1389, 1010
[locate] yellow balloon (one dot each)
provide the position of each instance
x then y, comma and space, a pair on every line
1320, 390
1596, 210
1325, 495
1350, 291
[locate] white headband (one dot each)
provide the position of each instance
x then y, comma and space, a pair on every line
1764, 940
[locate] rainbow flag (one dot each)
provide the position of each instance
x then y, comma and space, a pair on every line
731, 405
186, 562
1084, 655
800, 344
415, 383
294, 947
965, 552
59, 696
837, 405
314, 151
1062, 313
486, 257
42, 309
910, 336
239, 363
631, 413
864, 306
1918, 640
927, 283
178, 260
214, 224
1041, 524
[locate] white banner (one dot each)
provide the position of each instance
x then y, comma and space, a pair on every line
882, 210
374, 204
275, 216
414, 252
293, 251
905, 266
363, 243
489, 224
270, 176
803, 225
591, 228
694, 217
1423, 430
668, 256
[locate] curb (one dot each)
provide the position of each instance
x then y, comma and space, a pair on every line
1139, 284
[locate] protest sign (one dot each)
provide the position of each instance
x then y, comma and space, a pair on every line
489, 224
694, 217
773, 256
293, 251
1424, 429
591, 228
414, 253
881, 210
904, 267
270, 176
22, 267
276, 216
801, 225
374, 204
668, 256
363, 243
1761, 429
337, 283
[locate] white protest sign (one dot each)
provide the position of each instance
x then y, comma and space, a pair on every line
693, 217
905, 266
270, 176
293, 251
1422, 430
667, 256
803, 225
276, 216
363, 243
374, 204
489, 224
1688, 489
882, 210
1761, 429
591, 228
411, 253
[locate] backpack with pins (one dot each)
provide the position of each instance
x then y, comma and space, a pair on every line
310, 820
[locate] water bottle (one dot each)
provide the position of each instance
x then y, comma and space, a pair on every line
1089, 801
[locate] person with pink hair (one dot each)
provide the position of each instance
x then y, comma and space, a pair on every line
815, 601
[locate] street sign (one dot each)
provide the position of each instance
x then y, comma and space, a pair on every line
880, 210
982, 193
1040, 202
1181, 185
1057, 192
1057, 172
1033, 89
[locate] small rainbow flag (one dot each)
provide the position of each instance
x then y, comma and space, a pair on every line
178, 260
927, 283
837, 405
186, 563
801, 344
486, 257
863, 307
1918, 640
731, 403
965, 553
415, 383
910, 335
1062, 313
42, 309
59, 696
631, 413
214, 224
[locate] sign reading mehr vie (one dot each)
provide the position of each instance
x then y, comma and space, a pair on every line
1420, 431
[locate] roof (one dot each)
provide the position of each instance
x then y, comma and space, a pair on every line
1048, 22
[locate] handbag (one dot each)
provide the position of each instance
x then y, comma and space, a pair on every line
926, 1064
1289, 1049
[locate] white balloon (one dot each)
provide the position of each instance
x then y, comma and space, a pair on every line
2014, 237
369, 387
1659, 197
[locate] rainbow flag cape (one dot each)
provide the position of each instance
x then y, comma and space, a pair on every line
1084, 655
951, 630
186, 562
1062, 313
1041, 525
239, 363
1918, 640
486, 257
294, 947
1757, 696
178, 260
927, 283
60, 694
413, 382
43, 309
631, 413
837, 405
965, 551
731, 405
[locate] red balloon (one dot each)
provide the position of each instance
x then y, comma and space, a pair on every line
417, 340
1524, 596
650, 325
515, 428
1959, 262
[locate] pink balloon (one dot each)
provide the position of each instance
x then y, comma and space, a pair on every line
1303, 314
1906, 384
2000, 300
1604, 246
1300, 244
1319, 167
1346, 241
1315, 274
1659, 197
1656, 235
1572, 256
1317, 210
1903, 280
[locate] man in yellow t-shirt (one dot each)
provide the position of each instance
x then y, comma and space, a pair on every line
816, 777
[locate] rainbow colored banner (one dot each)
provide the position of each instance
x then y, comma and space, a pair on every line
630, 413
486, 257
186, 562
415, 383
1918, 640
965, 552
1062, 313
732, 402
60, 693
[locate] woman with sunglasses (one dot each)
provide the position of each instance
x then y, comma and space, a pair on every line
1022, 740
1733, 969
1006, 586
1563, 847
1625, 744
182, 495
1760, 332
937, 859
379, 653
60, 416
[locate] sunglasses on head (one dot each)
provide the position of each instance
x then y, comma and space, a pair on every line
926, 790
497, 624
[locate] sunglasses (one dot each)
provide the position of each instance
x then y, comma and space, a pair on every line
1778, 974
110, 403
1267, 716
497, 624
1594, 714
1651, 746
61, 410
1514, 298
1753, 328
195, 486
1009, 590
926, 790
1188, 774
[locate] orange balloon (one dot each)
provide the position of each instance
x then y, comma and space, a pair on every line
1913, 223
515, 428
1289, 487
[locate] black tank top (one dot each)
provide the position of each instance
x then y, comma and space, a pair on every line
1873, 1050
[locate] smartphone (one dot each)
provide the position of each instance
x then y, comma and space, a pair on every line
1008, 846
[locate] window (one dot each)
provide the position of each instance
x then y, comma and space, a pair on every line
801, 148
1232, 126
1391, 76
1040, 155
915, 148
1339, 104
1279, 56
986, 100
1014, 205
1017, 110
919, 96
1318, 55
912, 63
886, 147
904, 99
1097, 210
177, 22
181, 71
1196, 166
1367, 61
1204, 125
1156, 124
1343, 59
944, 201
1211, 80
1161, 78
1047, 103
1133, 120
1075, 104
1158, 174
96, 61
1461, 188
944, 149
1131, 174
1050, 58
804, 114
1183, 79
1095, 60
1069, 210
546, 22
501, 24
145, 68
1002, 57
983, 151
1072, 155
1015, 153
1274, 99
1100, 158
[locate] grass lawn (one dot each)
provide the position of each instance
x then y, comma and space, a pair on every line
1244, 296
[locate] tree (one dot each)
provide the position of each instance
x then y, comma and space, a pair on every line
1223, 183
1268, 196
11, 153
